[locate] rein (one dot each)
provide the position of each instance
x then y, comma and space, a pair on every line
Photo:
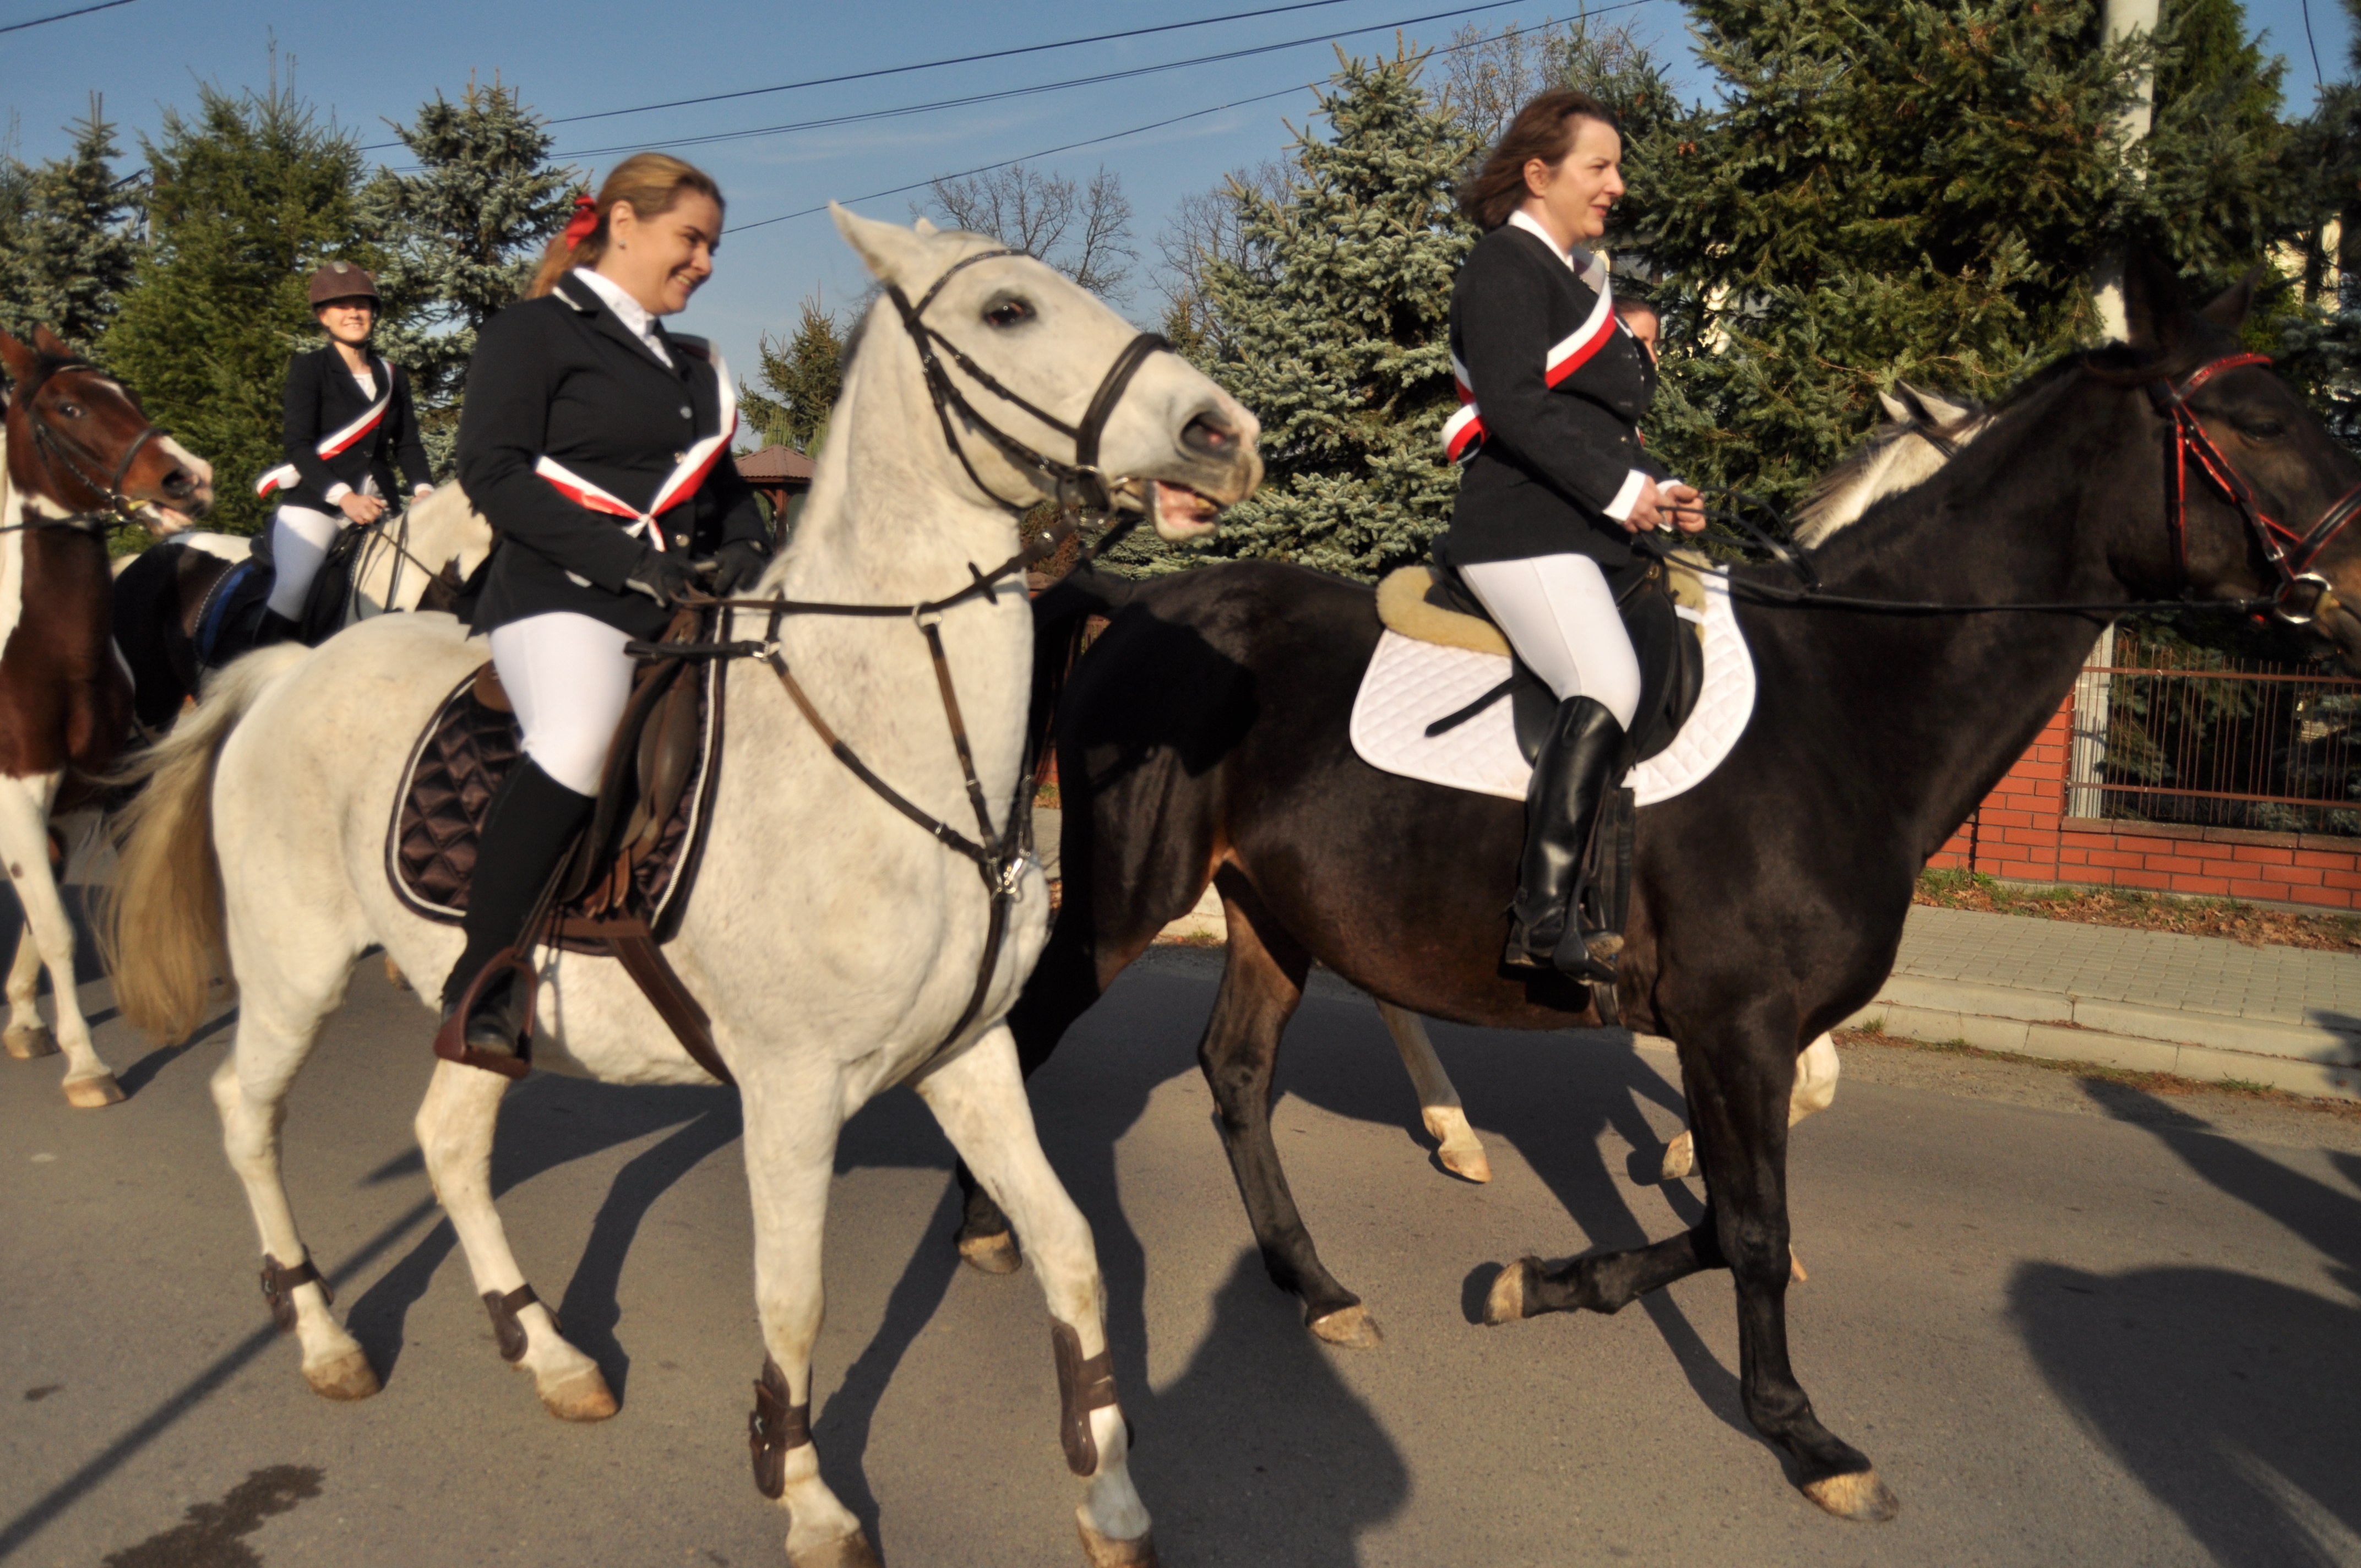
57, 451
2290, 554
1081, 488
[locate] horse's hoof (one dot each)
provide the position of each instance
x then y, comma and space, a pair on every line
346, 1377
583, 1397
1101, 1553
1505, 1303
1680, 1158
1468, 1164
1351, 1327
91, 1093
1796, 1275
995, 1254
845, 1552
1859, 1496
25, 1045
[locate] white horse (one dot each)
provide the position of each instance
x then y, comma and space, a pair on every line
1922, 432
835, 944
396, 561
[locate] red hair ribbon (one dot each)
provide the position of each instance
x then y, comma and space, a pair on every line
584, 222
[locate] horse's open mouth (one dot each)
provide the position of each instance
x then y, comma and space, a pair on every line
1180, 515
164, 522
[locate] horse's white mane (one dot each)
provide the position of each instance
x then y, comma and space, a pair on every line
1888, 460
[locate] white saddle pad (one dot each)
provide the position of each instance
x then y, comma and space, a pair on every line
1410, 684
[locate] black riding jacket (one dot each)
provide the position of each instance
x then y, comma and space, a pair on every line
322, 398
1553, 388
560, 377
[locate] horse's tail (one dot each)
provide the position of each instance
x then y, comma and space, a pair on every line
1063, 613
161, 924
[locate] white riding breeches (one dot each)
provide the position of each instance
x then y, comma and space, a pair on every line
1559, 615
299, 539
569, 678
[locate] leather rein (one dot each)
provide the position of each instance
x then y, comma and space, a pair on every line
1081, 488
57, 452
2296, 600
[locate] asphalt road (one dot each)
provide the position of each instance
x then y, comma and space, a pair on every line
2070, 1324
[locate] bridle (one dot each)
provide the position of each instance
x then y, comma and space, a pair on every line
1081, 488
57, 451
2296, 600
2301, 590
1080, 483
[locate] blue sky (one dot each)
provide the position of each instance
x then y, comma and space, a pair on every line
367, 64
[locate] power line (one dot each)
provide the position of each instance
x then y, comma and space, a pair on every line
1116, 135
2311, 42
63, 16
1102, 78
922, 65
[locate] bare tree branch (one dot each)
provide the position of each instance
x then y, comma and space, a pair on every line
1083, 232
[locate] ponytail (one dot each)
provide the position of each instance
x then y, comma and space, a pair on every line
650, 183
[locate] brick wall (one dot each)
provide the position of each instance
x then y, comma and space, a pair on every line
2022, 832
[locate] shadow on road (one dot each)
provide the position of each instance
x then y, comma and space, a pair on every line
2230, 1397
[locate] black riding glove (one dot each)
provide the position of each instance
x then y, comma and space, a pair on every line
667, 579
738, 564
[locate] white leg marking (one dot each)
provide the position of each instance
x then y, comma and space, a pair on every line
1438, 1103
979, 1098
25, 846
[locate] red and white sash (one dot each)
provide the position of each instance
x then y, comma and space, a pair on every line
684, 480
1464, 431
330, 446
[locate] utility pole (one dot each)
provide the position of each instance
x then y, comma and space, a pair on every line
2125, 17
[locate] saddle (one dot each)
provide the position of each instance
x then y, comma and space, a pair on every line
623, 888
1664, 613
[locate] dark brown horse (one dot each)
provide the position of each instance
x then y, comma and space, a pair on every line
80, 458
1205, 737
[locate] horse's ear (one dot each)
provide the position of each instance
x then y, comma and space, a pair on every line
891, 252
24, 365
925, 225
49, 343
2229, 308
2152, 305
1940, 409
1895, 408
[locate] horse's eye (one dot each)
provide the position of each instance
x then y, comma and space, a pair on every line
1009, 313
2263, 430
70, 411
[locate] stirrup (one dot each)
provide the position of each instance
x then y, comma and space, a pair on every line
1587, 956
451, 1040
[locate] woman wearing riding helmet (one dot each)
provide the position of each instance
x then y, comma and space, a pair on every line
349, 418
598, 447
1553, 388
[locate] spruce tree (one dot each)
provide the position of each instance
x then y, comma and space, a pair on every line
801, 378
1919, 191
67, 252
462, 237
248, 195
1335, 330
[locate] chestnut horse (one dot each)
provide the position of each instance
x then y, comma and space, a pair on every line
1204, 738
80, 456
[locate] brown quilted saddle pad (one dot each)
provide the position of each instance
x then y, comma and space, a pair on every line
466, 751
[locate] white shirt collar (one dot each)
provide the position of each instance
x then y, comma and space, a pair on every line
1579, 261
630, 312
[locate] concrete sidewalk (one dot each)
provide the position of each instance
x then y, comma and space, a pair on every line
2150, 1001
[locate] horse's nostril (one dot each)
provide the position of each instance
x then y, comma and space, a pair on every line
1208, 436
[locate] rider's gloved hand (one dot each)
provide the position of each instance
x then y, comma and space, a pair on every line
738, 564
665, 579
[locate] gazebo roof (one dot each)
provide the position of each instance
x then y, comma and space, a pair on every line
777, 466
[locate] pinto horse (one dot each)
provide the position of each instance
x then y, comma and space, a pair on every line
1205, 736
80, 455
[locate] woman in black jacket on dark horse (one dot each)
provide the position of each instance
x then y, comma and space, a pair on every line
598, 447
1553, 388
349, 418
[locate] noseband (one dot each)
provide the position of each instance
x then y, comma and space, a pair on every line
57, 451
2301, 590
1080, 483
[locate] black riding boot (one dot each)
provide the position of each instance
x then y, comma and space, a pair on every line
1571, 778
531, 824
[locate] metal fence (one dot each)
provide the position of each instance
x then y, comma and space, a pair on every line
2195, 738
